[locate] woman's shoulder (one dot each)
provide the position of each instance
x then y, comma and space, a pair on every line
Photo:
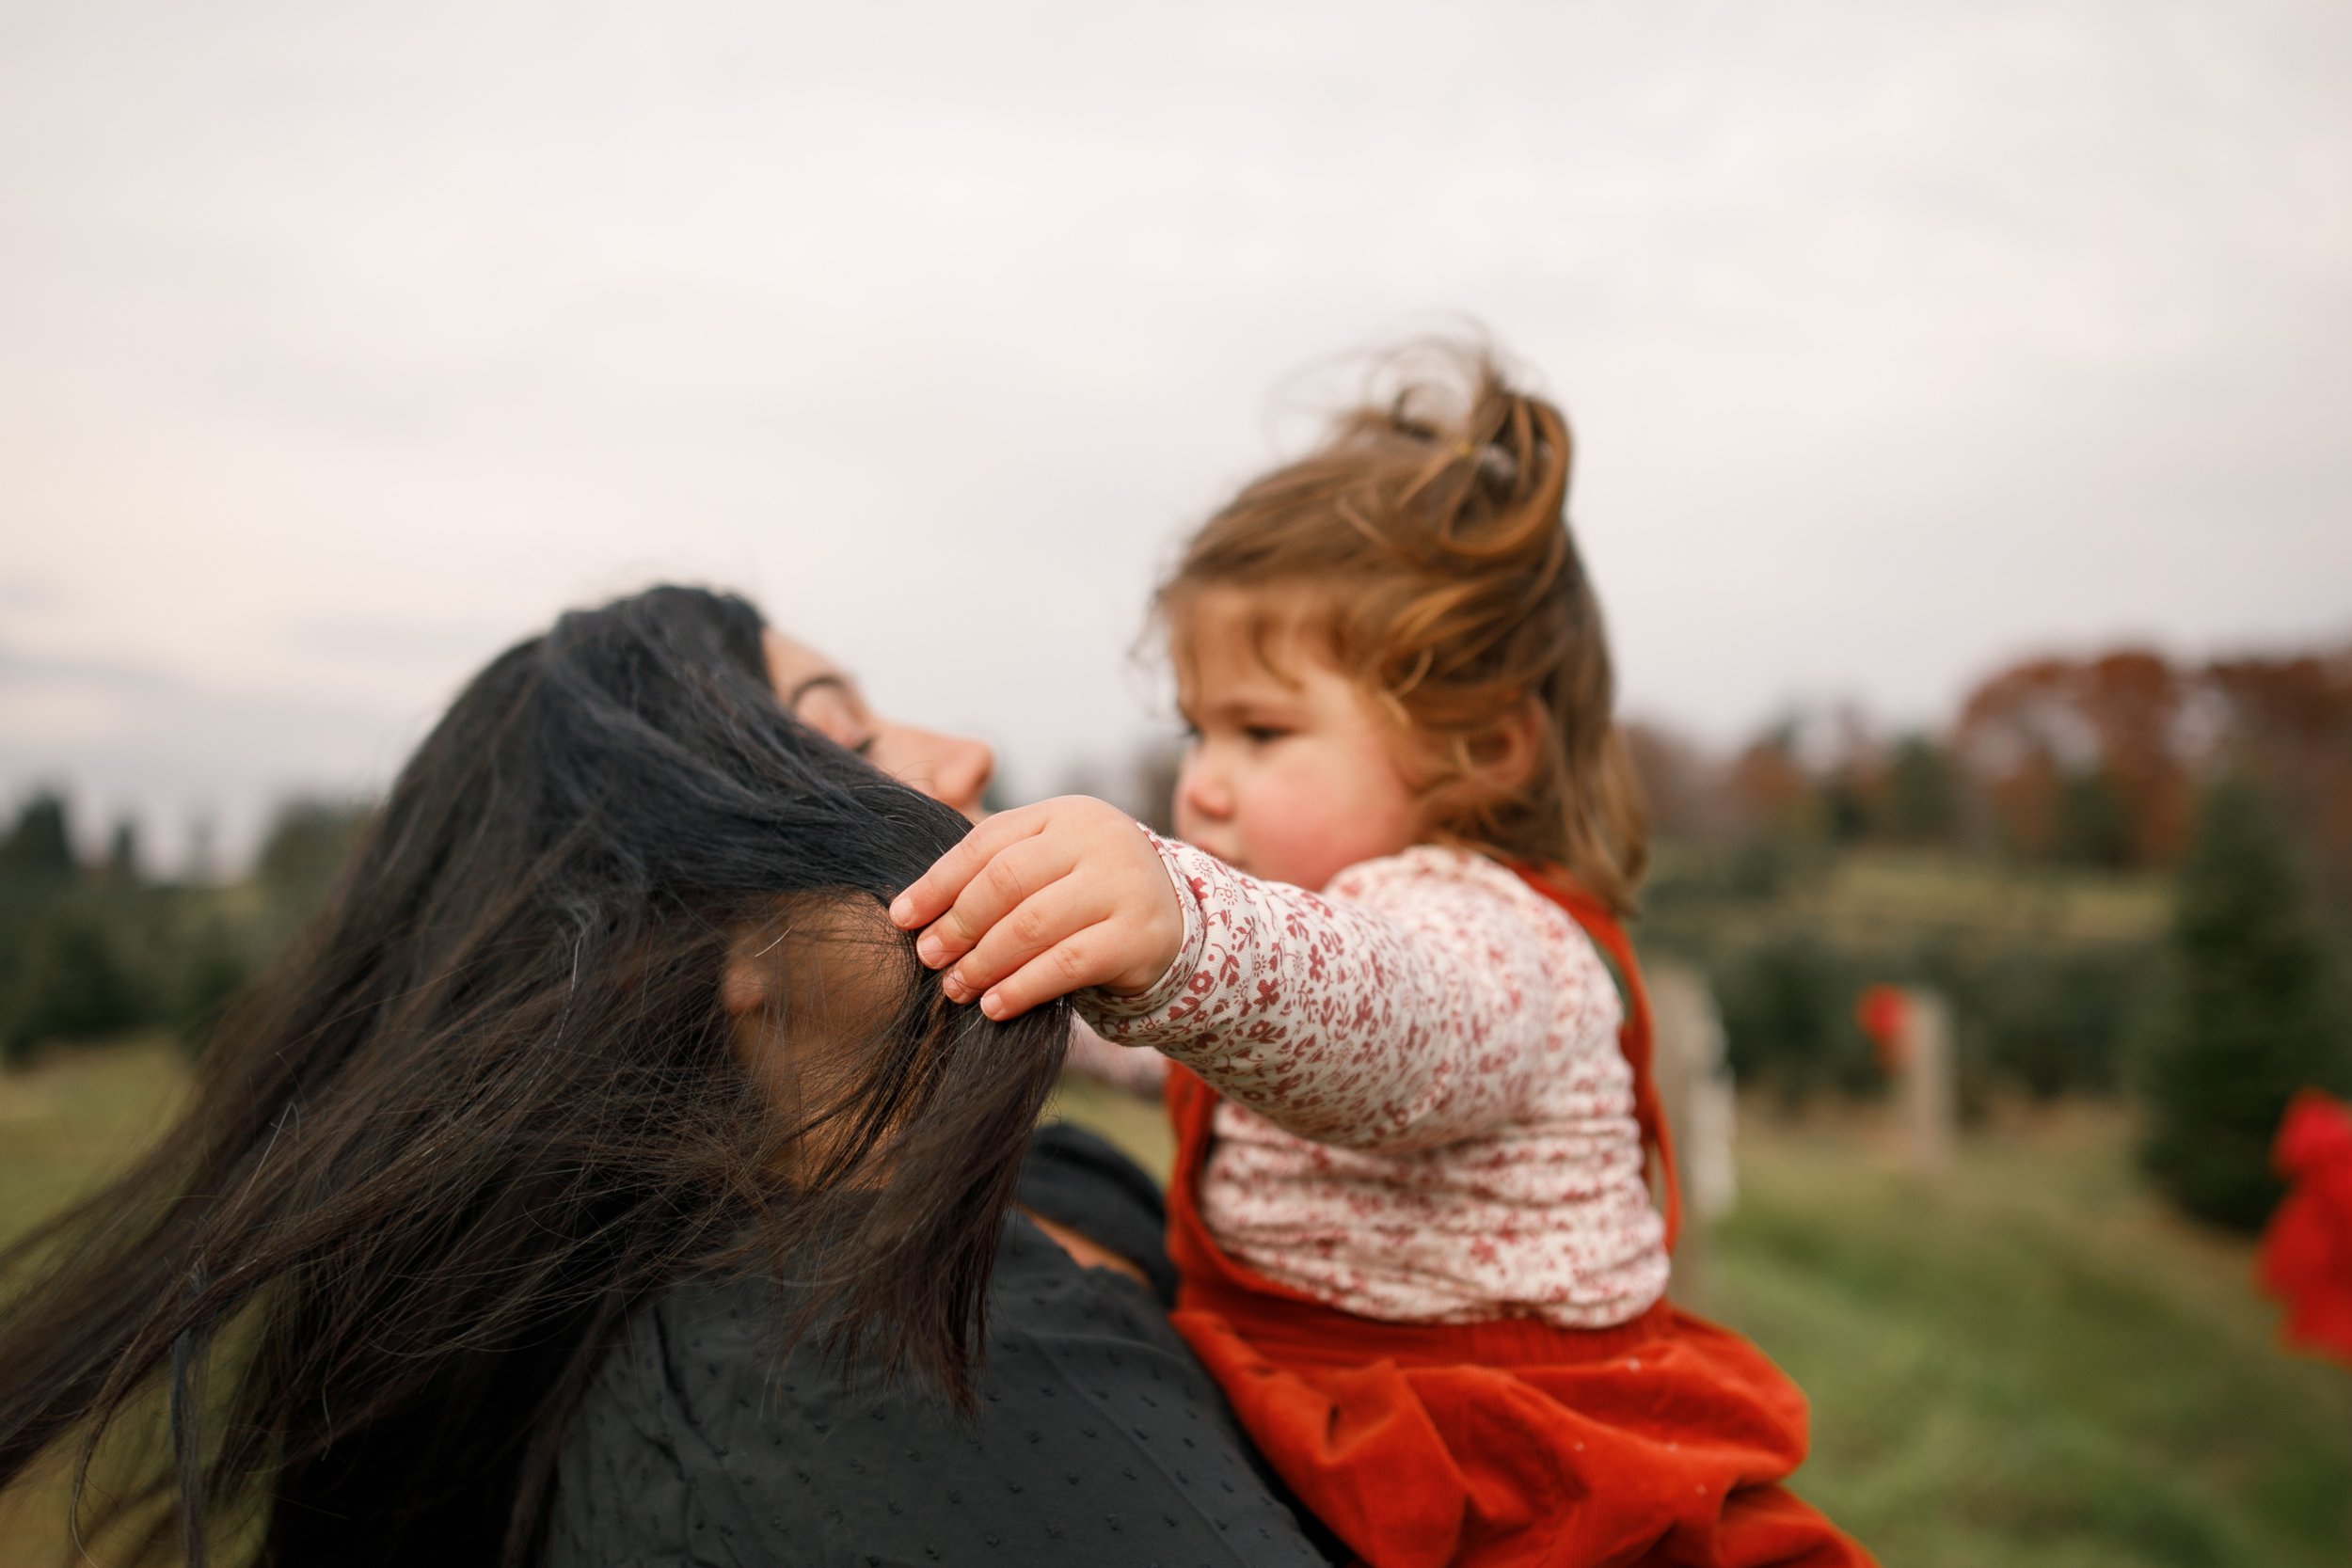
1098, 1438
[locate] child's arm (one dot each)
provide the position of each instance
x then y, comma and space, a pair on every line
1407, 1016
1120, 1066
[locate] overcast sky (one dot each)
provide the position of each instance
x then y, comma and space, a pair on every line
342, 344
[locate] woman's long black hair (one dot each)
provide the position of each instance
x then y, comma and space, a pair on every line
494, 1099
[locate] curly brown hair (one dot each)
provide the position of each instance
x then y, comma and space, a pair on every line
1425, 542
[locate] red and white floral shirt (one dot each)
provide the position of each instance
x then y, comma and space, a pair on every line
1425, 1116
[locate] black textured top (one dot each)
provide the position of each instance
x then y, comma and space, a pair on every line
1099, 1439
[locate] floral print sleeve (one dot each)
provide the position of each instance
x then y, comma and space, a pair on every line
1405, 1008
1135, 1072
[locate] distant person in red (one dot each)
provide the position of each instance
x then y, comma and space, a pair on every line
1411, 1206
2306, 1257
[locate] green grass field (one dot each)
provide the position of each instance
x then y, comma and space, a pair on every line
2032, 1364
64, 1124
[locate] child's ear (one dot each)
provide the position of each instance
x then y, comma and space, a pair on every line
1504, 758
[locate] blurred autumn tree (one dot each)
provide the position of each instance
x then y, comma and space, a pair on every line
2291, 718
2249, 1014
2083, 759
1683, 785
1770, 788
2092, 763
2096, 761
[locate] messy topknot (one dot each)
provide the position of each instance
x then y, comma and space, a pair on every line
1426, 539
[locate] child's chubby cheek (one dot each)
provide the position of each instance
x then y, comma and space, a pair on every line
1307, 830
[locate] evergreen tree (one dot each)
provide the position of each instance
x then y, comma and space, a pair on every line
71, 987
304, 851
2094, 822
1922, 793
122, 854
39, 847
214, 967
1788, 1010
2247, 1017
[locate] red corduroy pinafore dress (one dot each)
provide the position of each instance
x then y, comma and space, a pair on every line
1512, 1443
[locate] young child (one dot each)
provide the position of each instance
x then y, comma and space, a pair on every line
1411, 1204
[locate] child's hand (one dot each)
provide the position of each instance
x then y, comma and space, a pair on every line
1044, 900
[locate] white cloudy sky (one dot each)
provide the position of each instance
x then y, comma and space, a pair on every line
341, 343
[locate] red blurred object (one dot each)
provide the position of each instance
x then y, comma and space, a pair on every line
2306, 1257
1883, 1013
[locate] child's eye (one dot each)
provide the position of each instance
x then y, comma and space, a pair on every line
1263, 734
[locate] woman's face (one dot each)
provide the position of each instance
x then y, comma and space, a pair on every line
843, 977
949, 768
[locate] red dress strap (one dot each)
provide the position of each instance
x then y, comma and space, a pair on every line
1209, 1275
1660, 1443
1635, 1038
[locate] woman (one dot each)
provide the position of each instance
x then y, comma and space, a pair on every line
604, 1013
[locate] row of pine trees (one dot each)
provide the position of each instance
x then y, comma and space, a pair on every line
2212, 1027
91, 949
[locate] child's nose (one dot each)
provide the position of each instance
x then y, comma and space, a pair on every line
1204, 790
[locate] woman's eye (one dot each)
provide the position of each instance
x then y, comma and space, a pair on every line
865, 747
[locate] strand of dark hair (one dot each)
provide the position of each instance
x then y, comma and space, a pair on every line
491, 1102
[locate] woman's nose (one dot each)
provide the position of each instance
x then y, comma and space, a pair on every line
953, 769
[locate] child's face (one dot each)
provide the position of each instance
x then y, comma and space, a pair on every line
1292, 773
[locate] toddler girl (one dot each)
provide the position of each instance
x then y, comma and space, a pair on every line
1411, 1205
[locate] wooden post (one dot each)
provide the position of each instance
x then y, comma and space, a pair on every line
1928, 1084
1694, 1087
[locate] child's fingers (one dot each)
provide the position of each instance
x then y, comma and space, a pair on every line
930, 894
994, 891
1080, 960
1055, 912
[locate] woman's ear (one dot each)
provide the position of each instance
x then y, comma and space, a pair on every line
742, 983
819, 969
1503, 758
752, 975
